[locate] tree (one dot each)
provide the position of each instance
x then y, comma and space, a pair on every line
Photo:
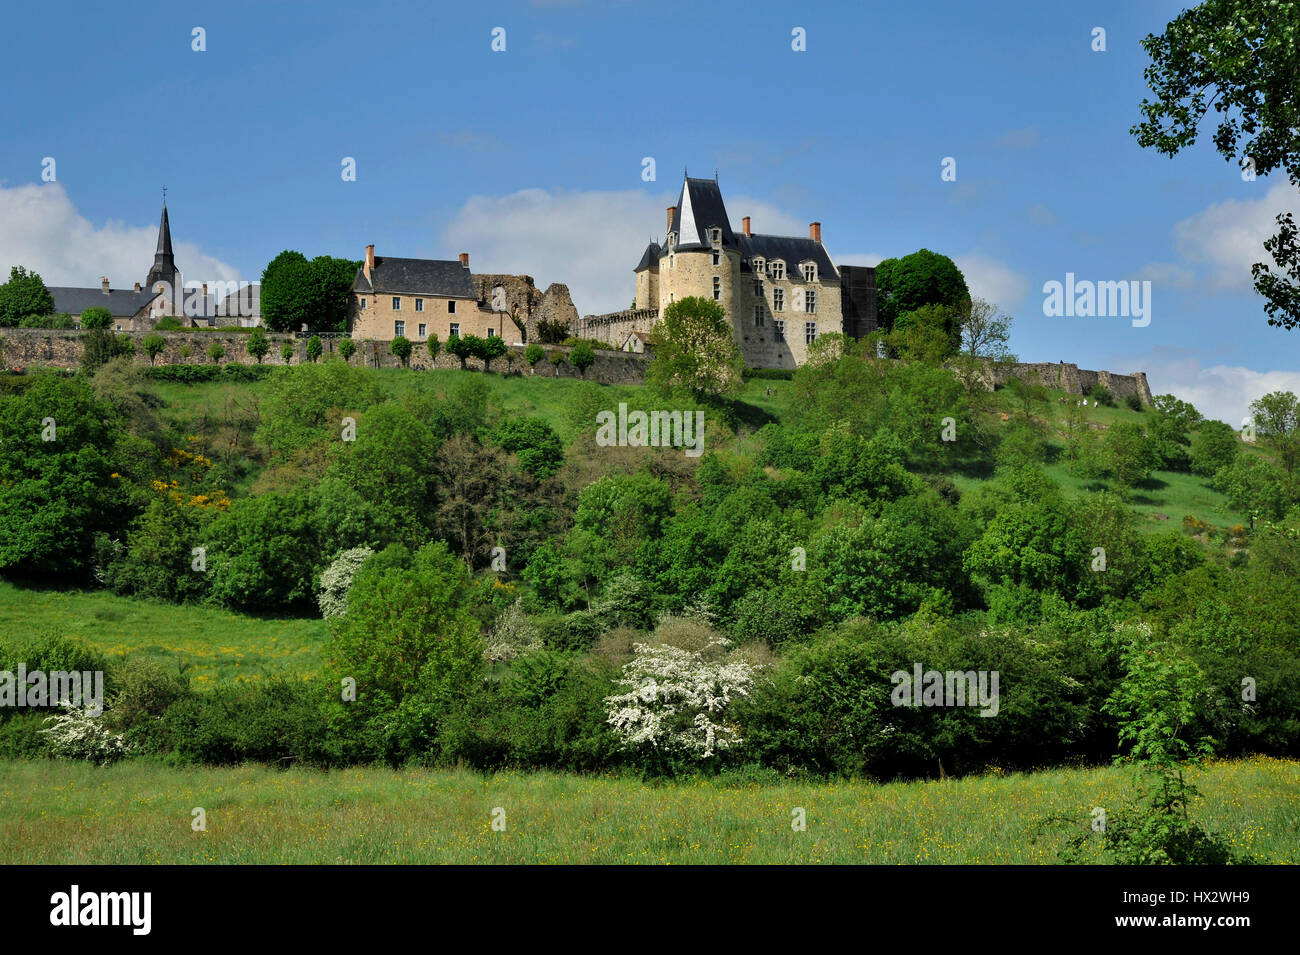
101, 346
97, 317
1129, 454
401, 347
695, 351
288, 292
533, 354
61, 481
985, 331
216, 351
1277, 422
347, 348
582, 358
1215, 445
1239, 57
154, 346
557, 359
258, 346
23, 295
492, 347
475, 348
332, 279
286, 352
314, 348
1254, 487
460, 348
922, 278
434, 346
929, 335
552, 333
263, 553
535, 442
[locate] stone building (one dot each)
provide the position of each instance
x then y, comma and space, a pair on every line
780, 293
417, 298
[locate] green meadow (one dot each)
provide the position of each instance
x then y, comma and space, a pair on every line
141, 812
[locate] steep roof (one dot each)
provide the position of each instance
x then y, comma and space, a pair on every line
416, 276
650, 258
700, 208
790, 249
123, 303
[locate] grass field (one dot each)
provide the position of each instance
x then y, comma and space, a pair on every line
140, 812
217, 645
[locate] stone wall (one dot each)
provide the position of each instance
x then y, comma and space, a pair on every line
520, 295
614, 327
62, 349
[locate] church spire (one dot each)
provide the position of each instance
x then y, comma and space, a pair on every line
164, 262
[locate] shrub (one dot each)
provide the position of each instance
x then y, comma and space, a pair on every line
534, 353
258, 346
153, 346
347, 348
286, 352
314, 348
168, 323
1100, 394
79, 734
582, 358
401, 348
1133, 401
216, 351
97, 317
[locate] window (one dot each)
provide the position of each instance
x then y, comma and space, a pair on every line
419, 305
717, 258
778, 270
363, 302
717, 288
778, 300
424, 330
758, 287
455, 329
757, 263
715, 236
809, 332
399, 329
810, 271
810, 300
758, 315
492, 332
451, 307
397, 304
778, 328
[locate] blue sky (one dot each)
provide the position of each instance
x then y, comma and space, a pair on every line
531, 159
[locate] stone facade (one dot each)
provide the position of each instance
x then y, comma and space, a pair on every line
383, 316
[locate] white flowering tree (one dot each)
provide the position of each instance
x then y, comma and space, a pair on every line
512, 635
337, 580
675, 701
80, 734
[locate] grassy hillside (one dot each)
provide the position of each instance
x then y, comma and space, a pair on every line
140, 812
213, 644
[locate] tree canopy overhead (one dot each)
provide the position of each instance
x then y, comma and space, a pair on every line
1241, 59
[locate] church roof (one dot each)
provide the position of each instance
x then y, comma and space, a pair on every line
164, 235
123, 303
428, 276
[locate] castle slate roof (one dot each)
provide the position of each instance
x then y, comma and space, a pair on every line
700, 208
788, 248
415, 276
123, 303
650, 259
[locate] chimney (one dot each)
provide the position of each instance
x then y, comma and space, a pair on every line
672, 211
370, 261
137, 286
103, 284
464, 259
815, 231
744, 224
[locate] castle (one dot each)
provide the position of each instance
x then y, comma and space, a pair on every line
779, 292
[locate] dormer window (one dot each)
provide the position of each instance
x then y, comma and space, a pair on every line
777, 270
810, 271
715, 236
757, 264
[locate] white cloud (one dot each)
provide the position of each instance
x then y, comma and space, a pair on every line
989, 279
1220, 391
1166, 274
41, 229
589, 240
1228, 237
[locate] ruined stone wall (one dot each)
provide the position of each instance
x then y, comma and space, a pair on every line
614, 327
1070, 378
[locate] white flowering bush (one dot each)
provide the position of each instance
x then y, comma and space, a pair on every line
336, 581
512, 635
675, 701
79, 734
